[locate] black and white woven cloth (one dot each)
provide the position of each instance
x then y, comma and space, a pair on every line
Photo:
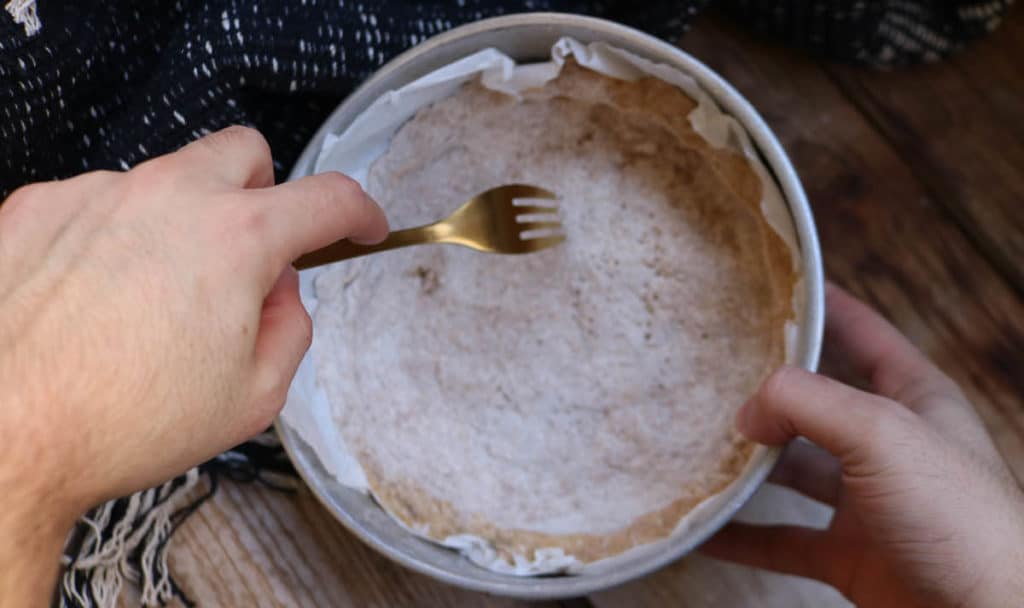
96, 84
106, 84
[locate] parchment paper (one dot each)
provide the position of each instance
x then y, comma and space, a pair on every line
352, 152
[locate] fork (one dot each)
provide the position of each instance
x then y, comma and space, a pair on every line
493, 221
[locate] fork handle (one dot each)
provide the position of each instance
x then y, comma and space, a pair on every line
346, 249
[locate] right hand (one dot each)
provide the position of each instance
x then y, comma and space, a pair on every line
926, 511
149, 320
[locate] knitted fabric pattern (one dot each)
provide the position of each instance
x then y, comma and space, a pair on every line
106, 85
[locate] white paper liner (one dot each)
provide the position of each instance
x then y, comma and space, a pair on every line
307, 410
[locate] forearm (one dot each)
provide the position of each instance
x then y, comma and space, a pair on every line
1003, 585
35, 515
1000, 574
29, 554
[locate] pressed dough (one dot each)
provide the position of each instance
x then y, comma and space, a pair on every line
581, 397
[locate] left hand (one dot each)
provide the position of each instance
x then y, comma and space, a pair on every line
926, 511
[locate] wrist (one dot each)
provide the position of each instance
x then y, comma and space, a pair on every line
1002, 586
39, 478
36, 512
34, 526
30, 556
1002, 583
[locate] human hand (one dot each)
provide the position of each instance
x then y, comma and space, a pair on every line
150, 320
926, 511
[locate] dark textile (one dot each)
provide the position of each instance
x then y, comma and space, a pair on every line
109, 84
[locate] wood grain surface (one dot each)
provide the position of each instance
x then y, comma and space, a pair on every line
959, 127
916, 178
883, 235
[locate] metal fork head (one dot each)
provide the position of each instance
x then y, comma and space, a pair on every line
502, 220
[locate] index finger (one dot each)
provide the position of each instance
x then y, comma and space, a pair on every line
880, 353
238, 156
315, 211
901, 372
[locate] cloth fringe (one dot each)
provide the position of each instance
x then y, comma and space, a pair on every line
24, 13
127, 540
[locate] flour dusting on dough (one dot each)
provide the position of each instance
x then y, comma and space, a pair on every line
578, 400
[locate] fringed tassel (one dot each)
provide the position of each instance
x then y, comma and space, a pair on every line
127, 539
24, 13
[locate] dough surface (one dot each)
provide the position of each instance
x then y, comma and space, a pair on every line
581, 397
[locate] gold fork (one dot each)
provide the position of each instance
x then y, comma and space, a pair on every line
492, 221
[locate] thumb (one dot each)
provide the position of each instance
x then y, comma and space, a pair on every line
854, 426
284, 336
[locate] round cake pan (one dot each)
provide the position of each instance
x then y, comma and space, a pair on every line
529, 37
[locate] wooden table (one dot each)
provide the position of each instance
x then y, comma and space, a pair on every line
917, 181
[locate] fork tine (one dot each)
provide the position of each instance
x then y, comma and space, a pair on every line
514, 191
